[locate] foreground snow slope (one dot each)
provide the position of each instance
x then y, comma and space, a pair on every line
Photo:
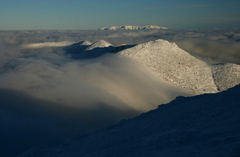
174, 65
200, 126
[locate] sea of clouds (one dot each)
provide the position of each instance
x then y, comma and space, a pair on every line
48, 94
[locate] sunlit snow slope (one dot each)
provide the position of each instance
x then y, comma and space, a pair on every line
226, 75
200, 126
174, 65
167, 60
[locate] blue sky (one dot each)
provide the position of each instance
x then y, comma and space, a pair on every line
93, 14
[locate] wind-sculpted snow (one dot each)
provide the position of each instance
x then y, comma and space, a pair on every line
174, 65
200, 126
226, 75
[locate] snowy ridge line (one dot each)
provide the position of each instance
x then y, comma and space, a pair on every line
170, 63
129, 27
226, 75
99, 44
174, 65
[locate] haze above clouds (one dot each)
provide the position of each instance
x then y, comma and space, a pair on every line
94, 14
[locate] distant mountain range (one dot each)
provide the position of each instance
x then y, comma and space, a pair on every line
129, 27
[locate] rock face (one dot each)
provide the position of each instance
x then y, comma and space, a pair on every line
226, 75
205, 125
174, 65
132, 27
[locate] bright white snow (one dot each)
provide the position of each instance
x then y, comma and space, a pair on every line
174, 65
99, 44
129, 27
226, 75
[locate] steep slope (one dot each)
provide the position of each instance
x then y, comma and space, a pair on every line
174, 65
200, 126
226, 75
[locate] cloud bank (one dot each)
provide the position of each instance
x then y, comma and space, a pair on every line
47, 95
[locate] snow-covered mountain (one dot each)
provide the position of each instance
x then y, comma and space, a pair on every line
85, 43
200, 126
174, 65
130, 87
226, 75
99, 44
87, 50
129, 27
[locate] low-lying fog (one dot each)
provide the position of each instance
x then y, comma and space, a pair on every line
47, 94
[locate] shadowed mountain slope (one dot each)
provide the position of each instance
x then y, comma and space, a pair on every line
205, 125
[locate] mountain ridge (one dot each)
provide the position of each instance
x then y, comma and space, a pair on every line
129, 27
173, 65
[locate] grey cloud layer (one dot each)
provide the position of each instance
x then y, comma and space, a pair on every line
217, 45
47, 93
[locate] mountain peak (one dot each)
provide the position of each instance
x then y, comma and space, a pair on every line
99, 44
174, 65
85, 43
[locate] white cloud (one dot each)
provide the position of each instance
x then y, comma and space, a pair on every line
46, 93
